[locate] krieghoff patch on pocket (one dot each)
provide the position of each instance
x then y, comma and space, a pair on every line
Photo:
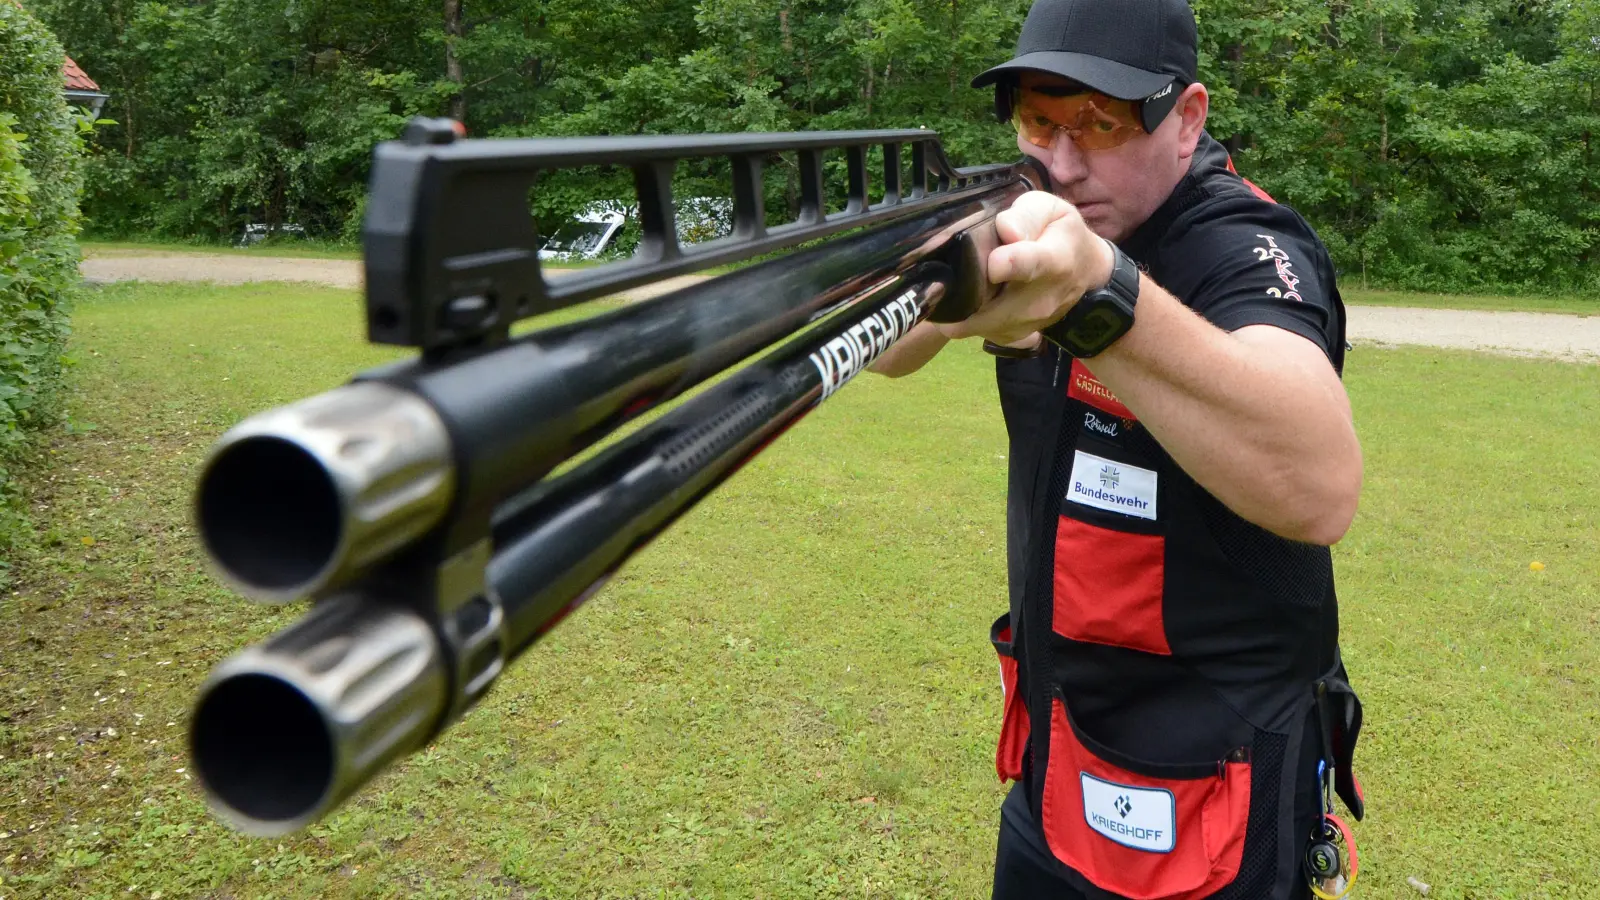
1141, 818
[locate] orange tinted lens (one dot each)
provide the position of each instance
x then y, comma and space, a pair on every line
1093, 121
1033, 123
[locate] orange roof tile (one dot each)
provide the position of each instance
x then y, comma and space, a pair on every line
76, 79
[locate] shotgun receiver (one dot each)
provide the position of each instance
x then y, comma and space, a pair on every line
417, 505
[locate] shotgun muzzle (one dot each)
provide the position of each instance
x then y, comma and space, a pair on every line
297, 500
283, 732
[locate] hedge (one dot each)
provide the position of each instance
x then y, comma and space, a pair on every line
41, 161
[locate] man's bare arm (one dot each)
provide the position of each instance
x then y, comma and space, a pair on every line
1258, 417
911, 352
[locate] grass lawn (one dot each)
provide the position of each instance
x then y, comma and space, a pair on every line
1570, 304
792, 693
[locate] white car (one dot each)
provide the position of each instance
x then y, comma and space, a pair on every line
596, 227
586, 235
258, 232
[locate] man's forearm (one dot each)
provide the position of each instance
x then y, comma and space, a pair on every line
1257, 417
911, 352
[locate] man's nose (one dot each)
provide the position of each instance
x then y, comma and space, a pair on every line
1067, 163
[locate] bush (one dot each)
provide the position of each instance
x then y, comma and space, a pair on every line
41, 157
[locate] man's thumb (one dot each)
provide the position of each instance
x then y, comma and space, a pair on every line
1020, 261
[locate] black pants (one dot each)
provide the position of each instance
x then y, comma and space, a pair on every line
1025, 869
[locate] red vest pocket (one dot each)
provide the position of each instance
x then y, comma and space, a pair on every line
1163, 832
1014, 725
1108, 587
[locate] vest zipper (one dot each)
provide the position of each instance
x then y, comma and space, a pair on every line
1036, 605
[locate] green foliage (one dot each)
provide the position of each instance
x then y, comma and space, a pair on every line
1436, 144
236, 111
40, 177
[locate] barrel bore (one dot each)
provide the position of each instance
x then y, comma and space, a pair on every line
270, 513
262, 749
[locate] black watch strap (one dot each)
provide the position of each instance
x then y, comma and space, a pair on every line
1100, 316
1004, 352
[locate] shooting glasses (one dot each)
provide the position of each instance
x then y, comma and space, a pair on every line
1092, 120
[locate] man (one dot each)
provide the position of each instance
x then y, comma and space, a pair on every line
1182, 456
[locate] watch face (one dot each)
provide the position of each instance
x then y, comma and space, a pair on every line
1100, 323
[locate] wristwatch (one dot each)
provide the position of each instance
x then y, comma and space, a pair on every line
1100, 316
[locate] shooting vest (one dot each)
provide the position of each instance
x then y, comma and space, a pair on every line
1161, 655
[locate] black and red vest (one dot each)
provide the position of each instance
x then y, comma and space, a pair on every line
1160, 656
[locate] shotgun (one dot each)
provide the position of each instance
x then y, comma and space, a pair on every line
423, 507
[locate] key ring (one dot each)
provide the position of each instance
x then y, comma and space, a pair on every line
1349, 841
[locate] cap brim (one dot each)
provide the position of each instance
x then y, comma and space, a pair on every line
1106, 76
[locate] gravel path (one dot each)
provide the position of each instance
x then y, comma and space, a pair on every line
1572, 338
146, 265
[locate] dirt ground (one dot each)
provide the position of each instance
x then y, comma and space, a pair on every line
148, 265
218, 268
1573, 338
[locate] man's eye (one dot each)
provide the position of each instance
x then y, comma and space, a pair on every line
1041, 122
1105, 127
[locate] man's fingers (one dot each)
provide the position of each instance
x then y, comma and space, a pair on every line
1041, 232
1033, 231
1028, 216
1016, 262
1012, 227
993, 321
1050, 255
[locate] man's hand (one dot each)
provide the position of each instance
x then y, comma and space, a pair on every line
1047, 260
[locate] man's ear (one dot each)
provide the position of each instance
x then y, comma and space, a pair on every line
1191, 109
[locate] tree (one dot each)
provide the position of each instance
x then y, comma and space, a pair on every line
1445, 144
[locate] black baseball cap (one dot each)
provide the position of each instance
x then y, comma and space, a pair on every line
1128, 49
